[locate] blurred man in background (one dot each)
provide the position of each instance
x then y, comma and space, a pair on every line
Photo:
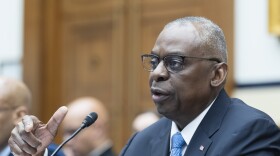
15, 102
15, 99
92, 141
144, 120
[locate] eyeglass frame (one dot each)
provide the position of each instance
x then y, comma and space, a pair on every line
165, 64
4, 109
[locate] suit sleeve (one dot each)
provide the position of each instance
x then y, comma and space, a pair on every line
127, 145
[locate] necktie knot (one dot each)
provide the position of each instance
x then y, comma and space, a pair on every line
177, 144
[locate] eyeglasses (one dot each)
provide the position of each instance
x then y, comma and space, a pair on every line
173, 63
4, 109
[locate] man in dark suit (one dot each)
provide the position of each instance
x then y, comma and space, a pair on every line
188, 69
15, 102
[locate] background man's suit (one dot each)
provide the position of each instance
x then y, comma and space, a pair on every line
230, 128
51, 149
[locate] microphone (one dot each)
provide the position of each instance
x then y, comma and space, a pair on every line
89, 120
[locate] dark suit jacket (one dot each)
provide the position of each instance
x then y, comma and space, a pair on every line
51, 149
230, 128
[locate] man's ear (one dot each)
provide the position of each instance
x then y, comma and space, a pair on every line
18, 114
219, 74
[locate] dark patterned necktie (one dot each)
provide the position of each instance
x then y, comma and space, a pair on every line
177, 144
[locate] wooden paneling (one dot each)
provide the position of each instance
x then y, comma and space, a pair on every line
87, 60
33, 23
90, 69
79, 48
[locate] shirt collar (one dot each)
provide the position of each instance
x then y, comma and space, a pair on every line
6, 151
190, 129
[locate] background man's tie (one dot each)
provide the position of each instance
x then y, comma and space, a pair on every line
177, 144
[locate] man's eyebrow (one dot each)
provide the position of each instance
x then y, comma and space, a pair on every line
170, 53
175, 53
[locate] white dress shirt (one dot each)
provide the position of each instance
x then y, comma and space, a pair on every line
6, 151
190, 129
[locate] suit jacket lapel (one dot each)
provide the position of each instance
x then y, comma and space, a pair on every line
210, 124
160, 144
198, 147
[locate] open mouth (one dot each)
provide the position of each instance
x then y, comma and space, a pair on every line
159, 95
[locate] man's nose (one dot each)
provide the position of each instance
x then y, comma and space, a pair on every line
160, 73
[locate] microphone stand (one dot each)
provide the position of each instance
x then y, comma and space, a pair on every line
90, 119
64, 142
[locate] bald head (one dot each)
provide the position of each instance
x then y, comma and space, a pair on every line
93, 136
81, 107
14, 93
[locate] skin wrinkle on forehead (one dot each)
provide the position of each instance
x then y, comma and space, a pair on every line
196, 40
208, 34
192, 39
211, 37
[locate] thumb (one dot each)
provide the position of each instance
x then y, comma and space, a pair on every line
56, 119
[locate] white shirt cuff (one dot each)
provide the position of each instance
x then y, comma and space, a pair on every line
46, 152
